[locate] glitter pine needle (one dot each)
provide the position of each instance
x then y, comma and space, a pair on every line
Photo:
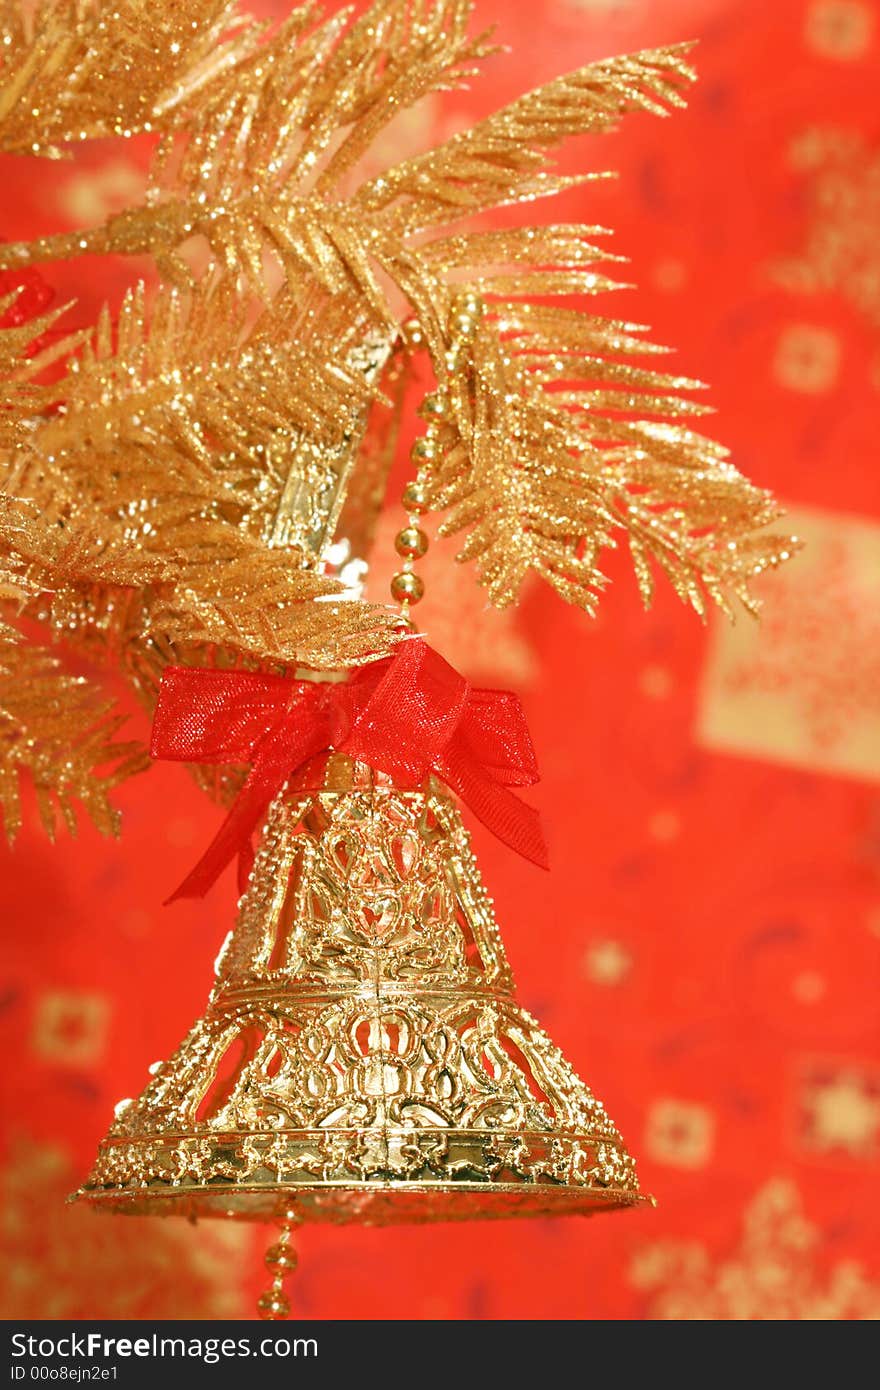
173, 496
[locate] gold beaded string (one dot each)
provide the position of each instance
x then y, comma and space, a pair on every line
411, 542
281, 1261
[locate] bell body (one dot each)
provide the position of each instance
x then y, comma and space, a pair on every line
362, 1053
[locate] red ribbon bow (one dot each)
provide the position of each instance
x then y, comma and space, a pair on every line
408, 715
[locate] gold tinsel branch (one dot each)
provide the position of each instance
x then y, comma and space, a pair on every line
244, 173
551, 447
194, 392
191, 582
558, 442
126, 535
264, 175
56, 728
81, 70
159, 450
21, 397
142, 487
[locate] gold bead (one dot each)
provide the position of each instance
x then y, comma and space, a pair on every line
412, 331
464, 324
415, 497
433, 406
406, 587
281, 1257
411, 542
272, 1306
468, 302
423, 449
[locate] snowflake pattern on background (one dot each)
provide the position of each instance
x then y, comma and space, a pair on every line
61, 1262
803, 685
841, 251
775, 1273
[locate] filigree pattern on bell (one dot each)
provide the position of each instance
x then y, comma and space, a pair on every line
362, 1047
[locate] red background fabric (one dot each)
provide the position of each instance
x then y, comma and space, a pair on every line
705, 948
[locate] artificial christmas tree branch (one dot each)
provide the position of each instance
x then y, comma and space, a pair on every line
172, 493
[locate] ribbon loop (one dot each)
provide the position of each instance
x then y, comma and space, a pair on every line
407, 716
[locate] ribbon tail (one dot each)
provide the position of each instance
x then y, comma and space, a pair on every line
515, 823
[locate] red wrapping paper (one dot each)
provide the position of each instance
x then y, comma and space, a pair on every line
705, 950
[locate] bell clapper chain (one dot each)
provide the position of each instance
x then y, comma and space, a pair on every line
411, 542
281, 1260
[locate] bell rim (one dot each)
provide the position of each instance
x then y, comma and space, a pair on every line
347, 1203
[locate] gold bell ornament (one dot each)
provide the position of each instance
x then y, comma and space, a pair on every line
363, 1056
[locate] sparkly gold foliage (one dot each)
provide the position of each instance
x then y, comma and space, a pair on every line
81, 70
20, 396
157, 452
146, 484
124, 538
53, 728
549, 449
